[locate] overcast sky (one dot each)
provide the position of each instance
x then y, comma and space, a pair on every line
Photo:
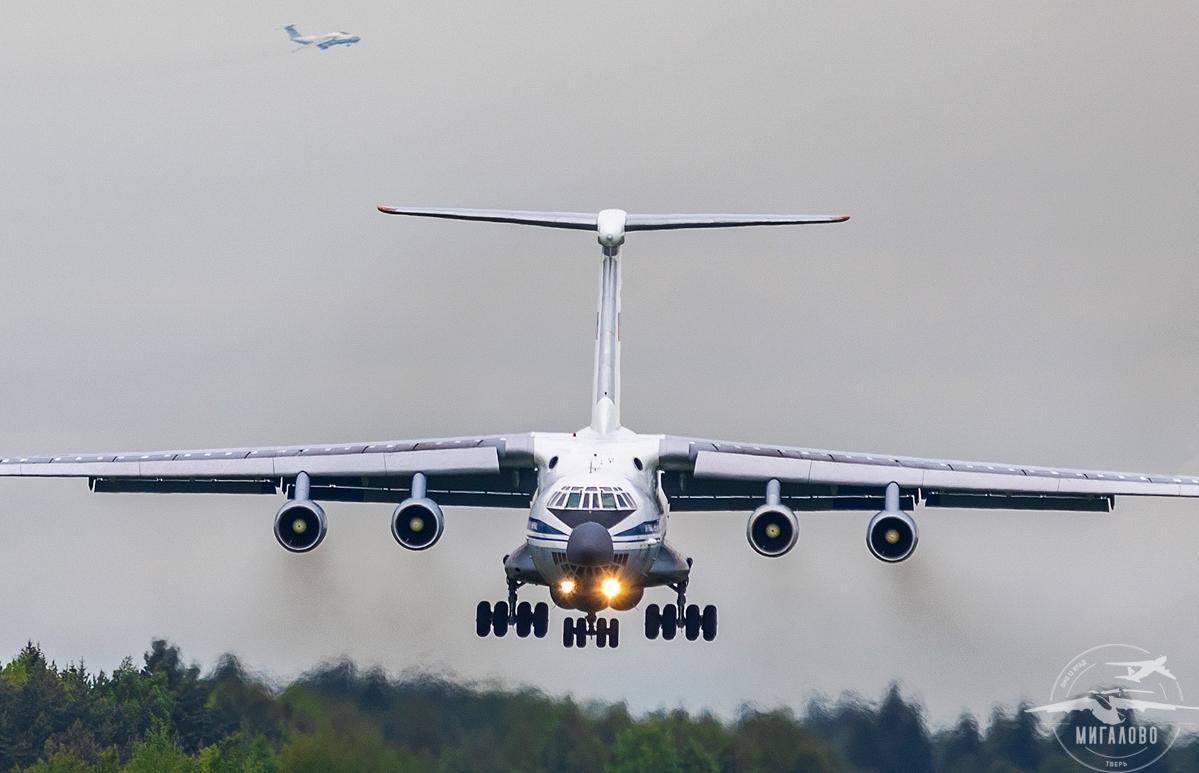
190, 256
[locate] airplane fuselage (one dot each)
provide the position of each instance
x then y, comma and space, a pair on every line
598, 514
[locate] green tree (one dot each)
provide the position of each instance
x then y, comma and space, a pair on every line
158, 752
645, 747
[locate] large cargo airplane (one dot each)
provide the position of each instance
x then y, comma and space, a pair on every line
322, 41
598, 499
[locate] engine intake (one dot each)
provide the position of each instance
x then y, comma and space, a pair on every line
773, 530
892, 534
300, 525
417, 524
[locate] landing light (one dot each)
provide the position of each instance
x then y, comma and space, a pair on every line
567, 587
610, 587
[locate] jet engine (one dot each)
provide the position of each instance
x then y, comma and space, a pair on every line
417, 522
892, 536
772, 530
300, 525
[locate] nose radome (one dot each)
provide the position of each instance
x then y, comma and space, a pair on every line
589, 545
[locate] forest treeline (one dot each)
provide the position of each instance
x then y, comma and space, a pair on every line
166, 716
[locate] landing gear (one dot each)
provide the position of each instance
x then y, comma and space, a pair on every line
690, 618
524, 617
605, 631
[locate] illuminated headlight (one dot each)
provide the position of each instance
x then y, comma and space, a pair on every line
567, 587
610, 587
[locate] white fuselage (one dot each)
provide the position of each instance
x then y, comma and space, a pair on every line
610, 479
327, 40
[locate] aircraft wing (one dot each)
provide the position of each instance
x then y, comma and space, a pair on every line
704, 474
483, 471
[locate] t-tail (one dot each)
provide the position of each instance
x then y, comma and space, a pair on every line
610, 226
295, 36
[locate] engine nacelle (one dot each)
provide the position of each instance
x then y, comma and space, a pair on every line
773, 530
300, 525
417, 523
892, 536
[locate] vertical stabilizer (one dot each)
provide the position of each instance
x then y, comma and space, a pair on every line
611, 226
605, 398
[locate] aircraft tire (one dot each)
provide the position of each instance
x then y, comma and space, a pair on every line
568, 633
581, 633
692, 619
670, 622
653, 621
601, 632
524, 619
499, 619
541, 619
709, 623
614, 633
483, 619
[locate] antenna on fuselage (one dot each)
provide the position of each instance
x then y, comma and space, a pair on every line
610, 226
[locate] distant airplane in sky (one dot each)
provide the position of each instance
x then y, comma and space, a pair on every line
327, 40
1139, 669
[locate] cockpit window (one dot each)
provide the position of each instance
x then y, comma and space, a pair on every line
592, 498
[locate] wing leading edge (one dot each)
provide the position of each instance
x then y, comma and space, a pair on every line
487, 471
709, 474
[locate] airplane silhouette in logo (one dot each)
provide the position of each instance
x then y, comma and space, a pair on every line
1139, 669
1110, 707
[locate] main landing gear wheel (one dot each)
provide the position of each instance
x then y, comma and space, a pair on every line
483, 618
498, 618
696, 622
541, 619
691, 622
524, 619
653, 622
708, 623
670, 622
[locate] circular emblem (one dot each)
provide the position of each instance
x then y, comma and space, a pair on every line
1116, 707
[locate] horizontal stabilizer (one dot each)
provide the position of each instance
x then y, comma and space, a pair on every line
633, 222
577, 220
667, 222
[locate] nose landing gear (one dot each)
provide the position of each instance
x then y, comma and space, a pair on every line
605, 631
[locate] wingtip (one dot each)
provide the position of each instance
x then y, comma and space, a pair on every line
841, 218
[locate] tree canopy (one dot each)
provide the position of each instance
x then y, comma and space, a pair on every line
167, 716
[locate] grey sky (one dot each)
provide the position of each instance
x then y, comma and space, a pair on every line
191, 257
